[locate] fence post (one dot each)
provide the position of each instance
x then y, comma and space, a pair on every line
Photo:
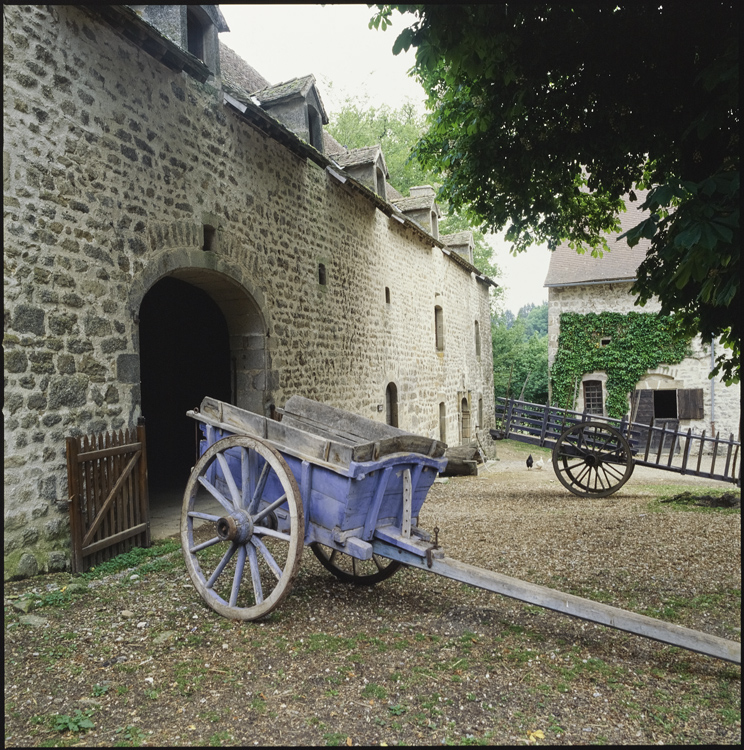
73, 505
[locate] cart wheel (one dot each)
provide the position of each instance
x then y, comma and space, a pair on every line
592, 459
242, 514
350, 570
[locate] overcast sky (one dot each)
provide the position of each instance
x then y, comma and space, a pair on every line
348, 59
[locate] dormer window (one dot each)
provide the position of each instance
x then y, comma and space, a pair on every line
366, 165
194, 28
195, 33
298, 106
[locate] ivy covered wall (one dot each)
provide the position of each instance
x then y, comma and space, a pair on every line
624, 345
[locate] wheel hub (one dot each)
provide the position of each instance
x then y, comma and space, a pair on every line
237, 527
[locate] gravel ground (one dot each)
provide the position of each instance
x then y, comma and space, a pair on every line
135, 658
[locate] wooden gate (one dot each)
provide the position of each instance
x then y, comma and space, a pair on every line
109, 507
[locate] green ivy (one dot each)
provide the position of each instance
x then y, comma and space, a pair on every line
638, 342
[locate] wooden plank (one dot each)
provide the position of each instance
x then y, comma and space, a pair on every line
374, 507
728, 453
109, 499
568, 604
700, 452
686, 453
73, 504
715, 453
114, 539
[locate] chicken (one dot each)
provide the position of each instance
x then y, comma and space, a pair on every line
529, 461
539, 463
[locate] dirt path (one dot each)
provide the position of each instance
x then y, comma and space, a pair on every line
136, 658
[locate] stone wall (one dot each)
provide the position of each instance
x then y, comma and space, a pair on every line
722, 407
112, 167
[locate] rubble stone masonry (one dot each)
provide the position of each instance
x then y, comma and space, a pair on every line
113, 165
721, 404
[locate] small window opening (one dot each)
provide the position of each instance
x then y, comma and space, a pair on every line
210, 239
477, 339
321, 274
439, 328
605, 342
665, 404
480, 412
195, 32
465, 420
380, 180
391, 405
387, 295
593, 403
442, 422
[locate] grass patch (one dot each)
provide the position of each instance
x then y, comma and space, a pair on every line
135, 558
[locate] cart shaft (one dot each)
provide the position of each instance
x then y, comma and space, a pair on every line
568, 604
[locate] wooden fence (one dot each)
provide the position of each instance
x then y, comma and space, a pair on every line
108, 500
656, 445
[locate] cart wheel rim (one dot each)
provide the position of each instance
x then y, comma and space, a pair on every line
242, 527
592, 459
350, 570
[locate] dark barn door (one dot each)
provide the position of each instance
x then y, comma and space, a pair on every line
184, 356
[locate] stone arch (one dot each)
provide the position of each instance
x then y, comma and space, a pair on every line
243, 307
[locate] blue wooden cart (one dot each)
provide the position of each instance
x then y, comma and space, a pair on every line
351, 489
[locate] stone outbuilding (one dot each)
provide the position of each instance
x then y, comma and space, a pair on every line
175, 228
679, 394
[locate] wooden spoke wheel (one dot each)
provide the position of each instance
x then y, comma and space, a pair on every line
592, 459
350, 570
242, 527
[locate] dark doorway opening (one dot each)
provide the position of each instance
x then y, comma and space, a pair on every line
184, 356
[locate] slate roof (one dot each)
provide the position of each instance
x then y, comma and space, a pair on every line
392, 194
355, 157
331, 145
568, 268
458, 238
413, 204
235, 70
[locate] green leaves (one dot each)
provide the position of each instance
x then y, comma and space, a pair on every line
638, 342
532, 105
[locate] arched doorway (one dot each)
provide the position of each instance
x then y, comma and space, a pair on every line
184, 356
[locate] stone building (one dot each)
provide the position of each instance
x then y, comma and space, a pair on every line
176, 227
680, 394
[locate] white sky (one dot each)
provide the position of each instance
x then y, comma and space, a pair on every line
348, 59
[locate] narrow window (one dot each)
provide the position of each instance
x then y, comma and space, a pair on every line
195, 32
465, 420
593, 397
477, 339
210, 239
442, 422
380, 180
439, 328
391, 405
321, 274
315, 128
387, 295
434, 225
480, 412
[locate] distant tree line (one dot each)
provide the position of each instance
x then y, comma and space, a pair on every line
520, 353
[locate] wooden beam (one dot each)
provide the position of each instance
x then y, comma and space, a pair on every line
569, 604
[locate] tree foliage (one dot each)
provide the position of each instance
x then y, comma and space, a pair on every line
397, 131
545, 116
520, 354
